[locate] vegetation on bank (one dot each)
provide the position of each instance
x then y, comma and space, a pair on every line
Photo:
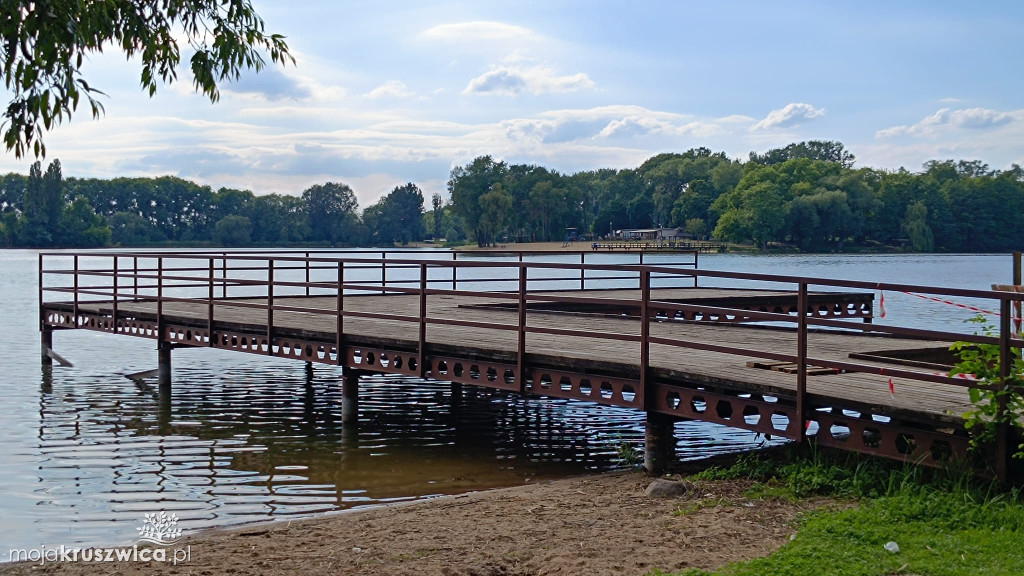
944, 522
807, 196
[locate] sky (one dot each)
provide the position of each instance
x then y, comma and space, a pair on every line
384, 93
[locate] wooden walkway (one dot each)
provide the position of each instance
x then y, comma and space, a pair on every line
923, 402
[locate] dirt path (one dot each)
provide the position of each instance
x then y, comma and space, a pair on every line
594, 525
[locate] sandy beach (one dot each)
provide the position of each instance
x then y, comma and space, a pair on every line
594, 525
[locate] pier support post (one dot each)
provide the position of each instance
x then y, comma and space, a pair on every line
309, 372
456, 392
350, 397
659, 443
164, 367
45, 344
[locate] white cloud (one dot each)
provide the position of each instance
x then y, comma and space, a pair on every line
390, 89
536, 80
792, 115
479, 31
287, 147
946, 118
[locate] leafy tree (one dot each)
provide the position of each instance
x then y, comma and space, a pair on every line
612, 217
817, 219
824, 150
81, 227
397, 217
545, 203
896, 191
227, 202
694, 202
758, 213
43, 205
640, 211
331, 209
11, 229
696, 227
129, 229
278, 219
726, 176
233, 230
12, 192
437, 205
46, 43
915, 226
494, 212
181, 209
468, 185
453, 225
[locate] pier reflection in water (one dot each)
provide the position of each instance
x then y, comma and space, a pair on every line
263, 441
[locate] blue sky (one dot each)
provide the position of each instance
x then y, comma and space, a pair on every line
389, 92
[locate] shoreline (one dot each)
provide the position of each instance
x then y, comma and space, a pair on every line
593, 524
601, 524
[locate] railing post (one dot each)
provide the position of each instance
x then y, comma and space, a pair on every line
521, 334
339, 339
307, 273
383, 271
135, 275
42, 320
455, 271
422, 346
209, 305
583, 271
160, 300
115, 296
1017, 282
270, 307
801, 362
224, 274
695, 267
1003, 451
645, 331
76, 290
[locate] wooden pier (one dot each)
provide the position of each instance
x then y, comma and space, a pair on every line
796, 363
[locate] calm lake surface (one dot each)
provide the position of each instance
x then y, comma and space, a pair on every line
85, 452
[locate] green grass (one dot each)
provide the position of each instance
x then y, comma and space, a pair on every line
945, 523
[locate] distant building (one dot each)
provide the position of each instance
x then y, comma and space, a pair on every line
653, 234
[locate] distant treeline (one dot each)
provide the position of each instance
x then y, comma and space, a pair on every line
807, 195
43, 209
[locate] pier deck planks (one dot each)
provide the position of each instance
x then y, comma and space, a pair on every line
913, 400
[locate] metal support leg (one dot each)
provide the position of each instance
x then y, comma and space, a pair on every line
659, 443
164, 367
309, 372
456, 392
350, 398
45, 344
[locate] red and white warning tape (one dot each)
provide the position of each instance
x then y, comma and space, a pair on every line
941, 301
951, 303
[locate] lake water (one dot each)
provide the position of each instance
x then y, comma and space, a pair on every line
86, 452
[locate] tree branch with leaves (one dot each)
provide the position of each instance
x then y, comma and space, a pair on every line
43, 45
